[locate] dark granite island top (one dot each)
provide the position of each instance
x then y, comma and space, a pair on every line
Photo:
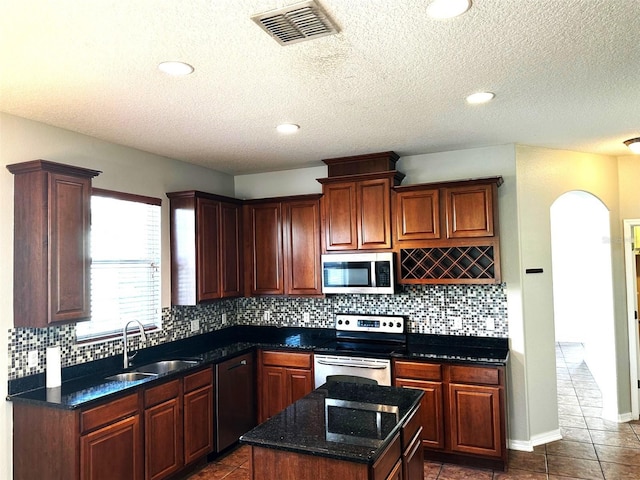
341, 421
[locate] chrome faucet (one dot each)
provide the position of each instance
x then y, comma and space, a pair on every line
127, 358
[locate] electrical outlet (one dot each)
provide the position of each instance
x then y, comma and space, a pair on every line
267, 315
32, 359
490, 323
306, 317
223, 319
457, 323
195, 325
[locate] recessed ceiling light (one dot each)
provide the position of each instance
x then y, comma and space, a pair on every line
288, 128
480, 97
441, 9
175, 68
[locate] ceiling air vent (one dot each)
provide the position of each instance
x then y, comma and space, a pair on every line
296, 23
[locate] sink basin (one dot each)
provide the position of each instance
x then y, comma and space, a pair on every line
131, 376
165, 366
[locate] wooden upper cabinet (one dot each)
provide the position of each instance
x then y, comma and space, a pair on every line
52, 204
340, 221
301, 235
263, 233
374, 213
282, 248
357, 214
206, 260
417, 214
469, 211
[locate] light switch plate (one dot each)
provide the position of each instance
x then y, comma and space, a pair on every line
267, 315
195, 325
457, 323
223, 319
305, 317
490, 323
32, 359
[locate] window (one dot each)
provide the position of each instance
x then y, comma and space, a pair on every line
125, 263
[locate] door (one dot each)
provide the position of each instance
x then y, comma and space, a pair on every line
265, 248
230, 251
474, 414
112, 452
163, 439
431, 410
207, 240
340, 224
374, 214
198, 423
301, 232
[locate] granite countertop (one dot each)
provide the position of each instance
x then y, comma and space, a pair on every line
86, 384
338, 420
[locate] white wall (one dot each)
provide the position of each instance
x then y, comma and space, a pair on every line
124, 169
543, 175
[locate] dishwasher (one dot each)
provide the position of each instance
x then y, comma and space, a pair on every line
235, 400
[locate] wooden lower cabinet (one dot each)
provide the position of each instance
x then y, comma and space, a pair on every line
198, 415
464, 414
153, 433
284, 377
112, 451
163, 430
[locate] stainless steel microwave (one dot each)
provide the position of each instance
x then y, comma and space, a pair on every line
358, 273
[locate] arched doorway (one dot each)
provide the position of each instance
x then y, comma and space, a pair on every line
583, 288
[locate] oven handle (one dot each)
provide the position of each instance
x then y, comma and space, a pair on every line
339, 363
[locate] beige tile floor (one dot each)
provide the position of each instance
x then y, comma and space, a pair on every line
591, 448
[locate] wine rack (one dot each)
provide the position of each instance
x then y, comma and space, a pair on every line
461, 264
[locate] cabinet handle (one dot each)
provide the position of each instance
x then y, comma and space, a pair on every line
237, 365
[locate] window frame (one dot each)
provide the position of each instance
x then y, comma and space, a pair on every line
130, 197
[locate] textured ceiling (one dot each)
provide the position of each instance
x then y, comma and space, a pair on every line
566, 74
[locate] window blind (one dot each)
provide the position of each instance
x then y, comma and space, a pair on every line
125, 264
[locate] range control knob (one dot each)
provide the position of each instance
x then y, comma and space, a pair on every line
346, 322
398, 325
384, 324
339, 322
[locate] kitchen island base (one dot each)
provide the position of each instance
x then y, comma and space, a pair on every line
284, 465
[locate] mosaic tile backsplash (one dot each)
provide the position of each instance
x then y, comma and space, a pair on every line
479, 310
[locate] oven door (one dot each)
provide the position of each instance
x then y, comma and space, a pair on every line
377, 369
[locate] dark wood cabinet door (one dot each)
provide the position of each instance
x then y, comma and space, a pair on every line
207, 249
298, 384
475, 419
413, 460
198, 423
112, 452
264, 243
340, 221
373, 201
69, 262
431, 410
230, 250
273, 397
469, 211
163, 439
301, 235
417, 215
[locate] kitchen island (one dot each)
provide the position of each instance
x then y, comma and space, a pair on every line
341, 430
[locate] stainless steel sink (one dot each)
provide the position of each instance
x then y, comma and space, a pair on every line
165, 366
131, 376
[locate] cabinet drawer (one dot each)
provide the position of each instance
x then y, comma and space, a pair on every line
161, 393
287, 359
418, 370
108, 413
199, 379
483, 375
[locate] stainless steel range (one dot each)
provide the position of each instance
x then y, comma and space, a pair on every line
361, 350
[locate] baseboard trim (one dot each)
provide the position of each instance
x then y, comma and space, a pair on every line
540, 439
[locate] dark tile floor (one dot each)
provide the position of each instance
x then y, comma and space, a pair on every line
591, 448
